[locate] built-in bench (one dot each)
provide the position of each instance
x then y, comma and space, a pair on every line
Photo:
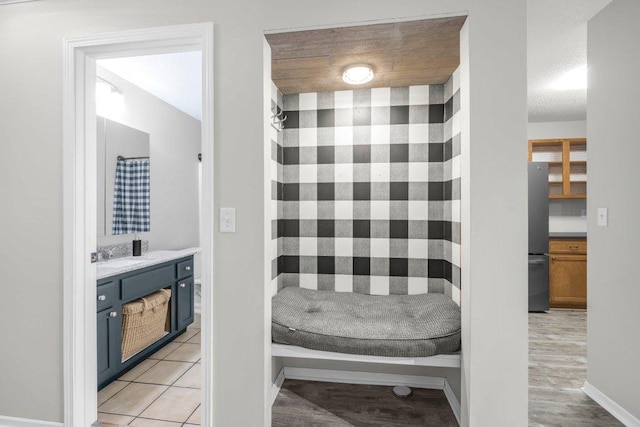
417, 330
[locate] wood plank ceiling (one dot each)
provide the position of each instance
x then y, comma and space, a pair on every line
401, 54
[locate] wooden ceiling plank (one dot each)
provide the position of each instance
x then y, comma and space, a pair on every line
402, 54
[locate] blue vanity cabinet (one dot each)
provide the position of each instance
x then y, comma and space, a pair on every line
109, 339
185, 303
114, 291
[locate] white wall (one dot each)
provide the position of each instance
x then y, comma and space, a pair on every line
565, 215
494, 215
551, 130
174, 144
613, 130
31, 175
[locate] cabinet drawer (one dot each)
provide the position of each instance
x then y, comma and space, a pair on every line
144, 283
107, 294
567, 246
185, 268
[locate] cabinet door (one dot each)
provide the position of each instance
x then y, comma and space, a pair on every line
109, 324
568, 281
185, 302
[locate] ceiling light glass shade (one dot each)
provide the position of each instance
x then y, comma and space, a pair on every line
357, 74
572, 80
109, 101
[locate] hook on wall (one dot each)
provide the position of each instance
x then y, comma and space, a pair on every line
278, 119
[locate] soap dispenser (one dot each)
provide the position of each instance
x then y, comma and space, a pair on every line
137, 246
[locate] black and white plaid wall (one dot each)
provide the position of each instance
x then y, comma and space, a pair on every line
366, 199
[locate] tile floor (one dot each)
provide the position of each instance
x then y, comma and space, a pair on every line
162, 391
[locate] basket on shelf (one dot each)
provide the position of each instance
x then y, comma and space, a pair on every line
143, 321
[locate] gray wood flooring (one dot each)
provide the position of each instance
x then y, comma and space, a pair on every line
307, 403
557, 371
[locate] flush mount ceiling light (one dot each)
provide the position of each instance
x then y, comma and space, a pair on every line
572, 80
357, 74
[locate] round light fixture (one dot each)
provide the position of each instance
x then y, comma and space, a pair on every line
357, 74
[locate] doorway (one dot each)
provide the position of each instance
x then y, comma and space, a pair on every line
80, 202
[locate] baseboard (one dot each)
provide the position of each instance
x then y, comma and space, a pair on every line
453, 400
275, 388
353, 377
369, 378
624, 416
25, 422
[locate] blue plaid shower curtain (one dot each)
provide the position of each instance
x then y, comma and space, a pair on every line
131, 197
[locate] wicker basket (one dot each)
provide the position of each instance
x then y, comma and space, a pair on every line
143, 322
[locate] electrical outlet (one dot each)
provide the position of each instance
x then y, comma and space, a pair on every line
227, 220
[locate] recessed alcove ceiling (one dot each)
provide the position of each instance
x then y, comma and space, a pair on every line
400, 53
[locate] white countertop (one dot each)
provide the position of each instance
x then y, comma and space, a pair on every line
121, 265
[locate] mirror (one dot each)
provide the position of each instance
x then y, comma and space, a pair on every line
123, 179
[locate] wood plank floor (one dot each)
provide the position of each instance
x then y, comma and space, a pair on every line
557, 371
308, 403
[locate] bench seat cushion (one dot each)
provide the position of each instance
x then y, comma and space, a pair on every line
389, 325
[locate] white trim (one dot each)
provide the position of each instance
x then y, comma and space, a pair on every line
624, 416
79, 236
453, 400
440, 360
367, 378
25, 422
277, 385
370, 22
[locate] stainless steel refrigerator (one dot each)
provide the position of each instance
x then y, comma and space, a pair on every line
538, 236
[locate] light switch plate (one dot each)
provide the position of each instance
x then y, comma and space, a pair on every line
603, 217
227, 220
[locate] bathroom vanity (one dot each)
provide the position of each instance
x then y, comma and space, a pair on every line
123, 280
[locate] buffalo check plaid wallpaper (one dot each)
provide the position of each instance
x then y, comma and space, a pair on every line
366, 191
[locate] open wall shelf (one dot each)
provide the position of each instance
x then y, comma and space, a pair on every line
567, 159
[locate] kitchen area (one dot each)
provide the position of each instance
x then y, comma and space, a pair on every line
557, 224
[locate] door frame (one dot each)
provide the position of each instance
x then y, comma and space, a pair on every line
79, 203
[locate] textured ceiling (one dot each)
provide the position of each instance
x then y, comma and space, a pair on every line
175, 77
557, 43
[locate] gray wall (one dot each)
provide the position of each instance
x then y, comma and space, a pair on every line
613, 347
494, 215
550, 130
31, 215
174, 144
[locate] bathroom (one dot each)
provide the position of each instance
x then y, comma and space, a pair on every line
148, 114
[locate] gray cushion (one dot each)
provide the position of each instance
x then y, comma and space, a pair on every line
390, 325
